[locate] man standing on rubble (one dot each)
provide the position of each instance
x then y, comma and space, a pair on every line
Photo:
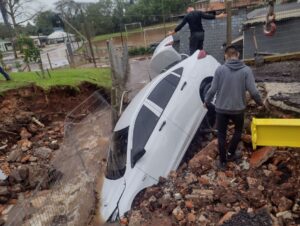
194, 19
230, 83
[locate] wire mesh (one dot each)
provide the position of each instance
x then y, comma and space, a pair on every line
65, 194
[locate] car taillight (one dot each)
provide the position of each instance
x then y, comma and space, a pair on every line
169, 44
202, 54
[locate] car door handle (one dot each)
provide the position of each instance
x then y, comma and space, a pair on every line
162, 125
183, 86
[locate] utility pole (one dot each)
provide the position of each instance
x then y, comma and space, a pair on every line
4, 15
229, 22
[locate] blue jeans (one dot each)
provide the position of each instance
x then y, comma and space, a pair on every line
6, 76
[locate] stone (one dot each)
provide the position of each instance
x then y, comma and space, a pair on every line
25, 159
177, 196
245, 165
32, 159
221, 208
25, 134
229, 197
43, 152
17, 188
190, 178
191, 218
178, 213
14, 155
4, 191
284, 204
226, 217
54, 145
285, 215
247, 138
32, 128
267, 173
3, 200
23, 172
14, 177
189, 204
202, 219
261, 156
24, 144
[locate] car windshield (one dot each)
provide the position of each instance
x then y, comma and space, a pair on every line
116, 162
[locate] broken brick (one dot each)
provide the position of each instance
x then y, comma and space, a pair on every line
261, 156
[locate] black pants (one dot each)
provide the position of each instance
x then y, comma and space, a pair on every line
222, 123
196, 41
6, 76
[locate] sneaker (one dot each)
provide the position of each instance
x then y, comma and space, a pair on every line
234, 157
222, 166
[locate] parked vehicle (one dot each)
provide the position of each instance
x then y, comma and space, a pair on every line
155, 131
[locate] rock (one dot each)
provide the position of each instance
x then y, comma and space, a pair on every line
191, 178
23, 172
189, 204
54, 145
267, 173
25, 159
17, 188
14, 177
261, 156
247, 138
4, 191
25, 145
124, 221
3, 200
14, 155
226, 217
2, 222
43, 152
25, 134
228, 197
178, 213
177, 196
284, 204
32, 159
135, 219
245, 165
285, 215
221, 208
32, 128
191, 218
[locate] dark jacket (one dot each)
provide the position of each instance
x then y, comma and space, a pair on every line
194, 19
230, 83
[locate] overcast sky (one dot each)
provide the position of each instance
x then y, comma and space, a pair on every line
36, 5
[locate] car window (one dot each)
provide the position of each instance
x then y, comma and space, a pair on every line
164, 90
143, 128
116, 162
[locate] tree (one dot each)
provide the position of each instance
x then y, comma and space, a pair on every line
4, 33
43, 22
8, 27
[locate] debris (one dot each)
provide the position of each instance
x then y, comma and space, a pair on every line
285, 215
15, 155
261, 156
3, 176
35, 120
226, 217
43, 152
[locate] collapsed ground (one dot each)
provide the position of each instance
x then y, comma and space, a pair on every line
32, 130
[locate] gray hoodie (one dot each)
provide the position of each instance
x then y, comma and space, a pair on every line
230, 83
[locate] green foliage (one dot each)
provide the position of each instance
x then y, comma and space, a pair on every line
137, 51
30, 51
62, 77
43, 22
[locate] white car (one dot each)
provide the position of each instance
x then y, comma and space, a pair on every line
165, 55
155, 131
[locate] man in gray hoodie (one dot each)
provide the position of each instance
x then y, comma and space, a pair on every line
230, 83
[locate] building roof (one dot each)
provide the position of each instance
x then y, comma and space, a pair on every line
284, 11
59, 35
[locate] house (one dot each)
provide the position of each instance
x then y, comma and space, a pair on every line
285, 40
40, 40
5, 45
59, 36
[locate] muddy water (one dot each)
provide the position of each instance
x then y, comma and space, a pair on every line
138, 39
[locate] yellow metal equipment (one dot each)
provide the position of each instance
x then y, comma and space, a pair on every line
275, 132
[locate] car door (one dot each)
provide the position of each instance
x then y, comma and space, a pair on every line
163, 150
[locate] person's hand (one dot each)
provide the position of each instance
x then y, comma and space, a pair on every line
171, 32
222, 15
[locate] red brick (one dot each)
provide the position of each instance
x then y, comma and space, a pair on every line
261, 156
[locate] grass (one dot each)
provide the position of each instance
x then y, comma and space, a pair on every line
134, 31
61, 77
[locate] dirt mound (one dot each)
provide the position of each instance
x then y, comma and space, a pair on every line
260, 189
31, 132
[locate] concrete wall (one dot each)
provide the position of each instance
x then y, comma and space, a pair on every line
285, 40
215, 34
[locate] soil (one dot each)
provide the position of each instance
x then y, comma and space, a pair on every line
286, 72
32, 136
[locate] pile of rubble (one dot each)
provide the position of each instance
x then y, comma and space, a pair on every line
25, 163
262, 188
